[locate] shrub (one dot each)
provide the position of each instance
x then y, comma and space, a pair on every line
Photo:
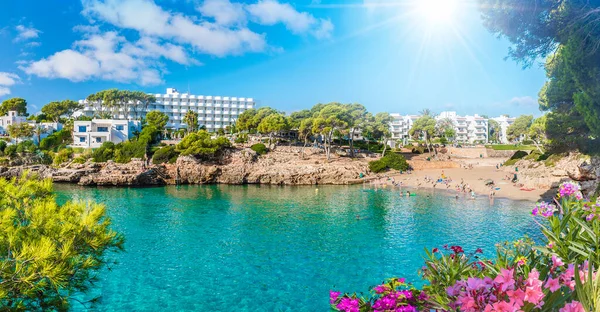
389, 161
56, 140
377, 166
104, 153
259, 148
418, 150
3, 145
241, 138
165, 154
26, 147
201, 145
515, 157
63, 156
10, 150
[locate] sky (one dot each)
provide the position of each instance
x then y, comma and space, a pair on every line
397, 56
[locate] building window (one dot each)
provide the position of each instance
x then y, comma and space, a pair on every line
99, 140
102, 129
120, 127
82, 139
82, 129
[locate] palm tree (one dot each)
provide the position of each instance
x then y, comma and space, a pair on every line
427, 112
39, 130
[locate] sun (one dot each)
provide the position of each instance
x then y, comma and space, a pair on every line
436, 12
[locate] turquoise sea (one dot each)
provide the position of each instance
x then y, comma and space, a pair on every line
272, 248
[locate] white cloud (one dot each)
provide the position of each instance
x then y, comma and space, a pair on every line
88, 29
524, 101
224, 12
151, 20
271, 12
7, 80
25, 33
109, 56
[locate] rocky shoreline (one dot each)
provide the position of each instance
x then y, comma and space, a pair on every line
240, 166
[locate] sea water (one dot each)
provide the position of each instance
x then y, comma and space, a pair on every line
279, 248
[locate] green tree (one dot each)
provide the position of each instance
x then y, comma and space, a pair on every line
38, 131
567, 32
113, 101
296, 118
20, 130
445, 128
379, 129
537, 132
157, 119
331, 117
494, 131
191, 119
49, 252
15, 104
243, 121
357, 119
272, 125
305, 131
519, 128
423, 127
54, 110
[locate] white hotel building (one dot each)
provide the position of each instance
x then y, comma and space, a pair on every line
471, 129
214, 112
504, 123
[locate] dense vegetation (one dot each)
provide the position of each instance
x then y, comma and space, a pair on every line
49, 252
389, 161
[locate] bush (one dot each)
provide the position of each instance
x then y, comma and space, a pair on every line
389, 161
56, 140
418, 150
63, 156
201, 145
104, 153
241, 138
515, 157
259, 148
3, 145
26, 147
377, 166
10, 150
165, 154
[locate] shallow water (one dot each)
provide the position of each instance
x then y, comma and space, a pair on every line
271, 248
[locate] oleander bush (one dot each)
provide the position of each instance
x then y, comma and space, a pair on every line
559, 273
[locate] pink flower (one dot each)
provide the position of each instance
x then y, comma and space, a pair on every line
348, 305
568, 189
381, 289
505, 279
333, 296
503, 306
552, 284
556, 262
517, 297
573, 307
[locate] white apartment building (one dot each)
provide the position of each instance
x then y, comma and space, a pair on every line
469, 129
504, 123
400, 127
12, 118
214, 112
92, 134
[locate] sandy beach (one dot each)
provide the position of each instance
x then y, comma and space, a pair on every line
474, 179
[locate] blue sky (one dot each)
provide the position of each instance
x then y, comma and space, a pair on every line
390, 55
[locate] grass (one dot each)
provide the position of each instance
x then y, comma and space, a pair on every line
511, 147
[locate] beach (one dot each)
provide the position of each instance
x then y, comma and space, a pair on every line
474, 179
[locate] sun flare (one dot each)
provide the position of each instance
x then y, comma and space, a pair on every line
436, 12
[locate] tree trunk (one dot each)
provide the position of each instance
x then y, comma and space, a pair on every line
537, 145
427, 142
384, 147
351, 143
